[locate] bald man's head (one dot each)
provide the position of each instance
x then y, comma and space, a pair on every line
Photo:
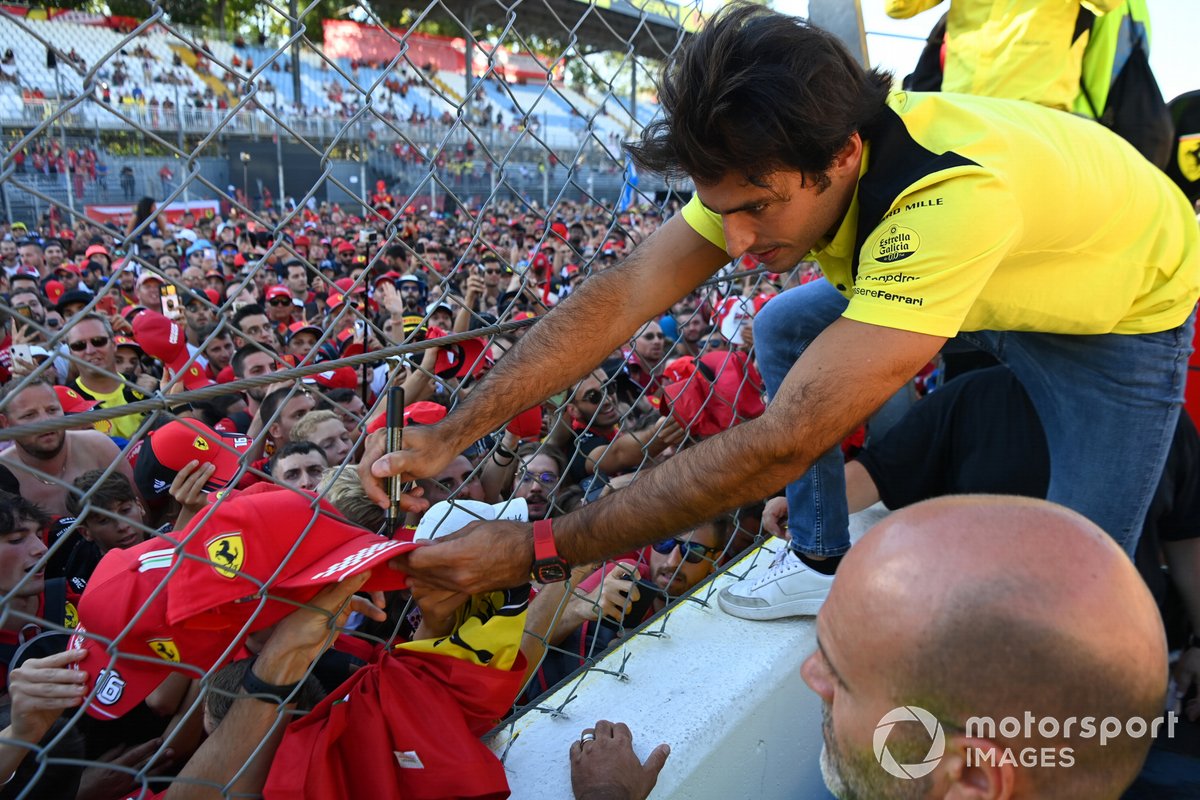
993, 606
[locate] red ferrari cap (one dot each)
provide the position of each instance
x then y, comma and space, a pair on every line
162, 339
419, 413
54, 291
125, 341
340, 378
279, 290
169, 449
468, 357
72, 402
122, 626
276, 538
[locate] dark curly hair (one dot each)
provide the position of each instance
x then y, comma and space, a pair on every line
755, 92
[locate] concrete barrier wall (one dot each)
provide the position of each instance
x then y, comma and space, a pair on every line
725, 693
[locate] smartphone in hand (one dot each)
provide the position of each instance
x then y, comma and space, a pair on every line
170, 304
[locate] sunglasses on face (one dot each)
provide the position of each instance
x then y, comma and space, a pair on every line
693, 552
653, 336
491, 272
547, 479
97, 342
593, 396
279, 301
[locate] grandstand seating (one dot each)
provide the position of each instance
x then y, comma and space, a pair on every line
562, 113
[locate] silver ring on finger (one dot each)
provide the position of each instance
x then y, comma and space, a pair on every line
587, 736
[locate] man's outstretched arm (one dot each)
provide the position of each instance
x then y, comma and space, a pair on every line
564, 346
844, 376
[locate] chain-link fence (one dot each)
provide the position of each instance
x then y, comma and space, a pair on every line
223, 246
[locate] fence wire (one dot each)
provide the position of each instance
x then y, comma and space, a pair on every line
393, 183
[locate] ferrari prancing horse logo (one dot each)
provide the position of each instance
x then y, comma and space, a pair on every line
165, 649
227, 554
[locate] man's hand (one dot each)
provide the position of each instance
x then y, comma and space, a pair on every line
148, 384
475, 288
104, 782
439, 610
606, 768
668, 433
774, 518
40, 689
187, 489
389, 298
1187, 678
23, 333
611, 598
479, 558
120, 325
301, 636
21, 368
425, 452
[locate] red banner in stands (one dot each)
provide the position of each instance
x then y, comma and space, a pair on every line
121, 214
370, 43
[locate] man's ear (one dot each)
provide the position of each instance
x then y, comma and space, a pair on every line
848, 159
976, 769
84, 532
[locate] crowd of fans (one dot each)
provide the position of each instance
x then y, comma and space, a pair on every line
100, 320
97, 319
236, 493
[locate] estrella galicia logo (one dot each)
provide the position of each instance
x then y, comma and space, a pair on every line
937, 745
895, 244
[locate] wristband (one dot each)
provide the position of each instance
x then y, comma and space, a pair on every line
256, 687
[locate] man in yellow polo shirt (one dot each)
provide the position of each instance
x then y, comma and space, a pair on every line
1044, 238
90, 340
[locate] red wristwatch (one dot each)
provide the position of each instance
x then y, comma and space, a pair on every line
548, 565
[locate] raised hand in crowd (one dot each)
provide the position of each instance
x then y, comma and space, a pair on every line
39, 691
612, 597
244, 744
114, 777
187, 489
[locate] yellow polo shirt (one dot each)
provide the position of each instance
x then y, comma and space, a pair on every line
1019, 49
122, 427
977, 213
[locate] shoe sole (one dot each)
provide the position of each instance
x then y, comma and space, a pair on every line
793, 608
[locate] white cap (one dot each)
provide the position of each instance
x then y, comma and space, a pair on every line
449, 516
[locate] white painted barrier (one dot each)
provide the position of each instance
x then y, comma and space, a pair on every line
725, 693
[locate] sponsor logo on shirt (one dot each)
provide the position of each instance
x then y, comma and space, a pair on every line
895, 244
884, 294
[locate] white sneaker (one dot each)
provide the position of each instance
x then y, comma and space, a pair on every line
788, 589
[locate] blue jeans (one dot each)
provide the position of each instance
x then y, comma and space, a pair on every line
1108, 404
